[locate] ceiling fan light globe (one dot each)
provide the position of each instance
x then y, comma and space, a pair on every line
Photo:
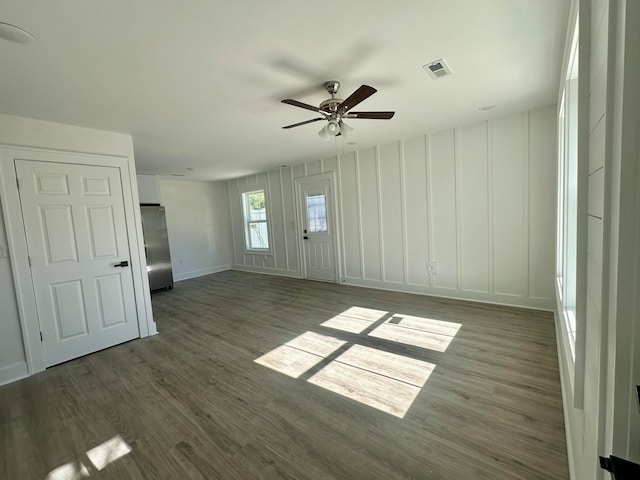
323, 134
332, 128
345, 129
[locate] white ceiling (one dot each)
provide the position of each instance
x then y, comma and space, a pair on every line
198, 83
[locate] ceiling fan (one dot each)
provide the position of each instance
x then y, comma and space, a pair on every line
335, 110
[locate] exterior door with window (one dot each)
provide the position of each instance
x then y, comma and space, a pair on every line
77, 238
318, 229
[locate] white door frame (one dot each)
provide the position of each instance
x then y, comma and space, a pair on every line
298, 182
17, 242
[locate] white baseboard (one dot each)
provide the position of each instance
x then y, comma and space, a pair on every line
543, 304
199, 273
14, 372
482, 297
267, 271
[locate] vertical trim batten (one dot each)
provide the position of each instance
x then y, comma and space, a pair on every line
284, 221
429, 206
456, 196
525, 202
403, 216
380, 219
490, 229
359, 209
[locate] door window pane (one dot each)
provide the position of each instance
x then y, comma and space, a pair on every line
317, 213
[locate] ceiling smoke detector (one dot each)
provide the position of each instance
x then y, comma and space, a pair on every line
438, 69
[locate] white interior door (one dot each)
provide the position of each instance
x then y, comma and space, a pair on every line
318, 227
78, 248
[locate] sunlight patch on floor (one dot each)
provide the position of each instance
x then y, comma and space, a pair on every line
100, 456
417, 331
383, 380
108, 452
69, 471
405, 369
300, 354
354, 319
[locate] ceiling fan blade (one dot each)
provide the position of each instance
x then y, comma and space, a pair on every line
304, 123
296, 103
372, 115
362, 93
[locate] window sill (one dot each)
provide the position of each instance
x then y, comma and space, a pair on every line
266, 253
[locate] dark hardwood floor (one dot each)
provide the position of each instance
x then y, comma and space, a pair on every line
193, 403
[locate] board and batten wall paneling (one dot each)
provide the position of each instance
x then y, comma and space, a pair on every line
283, 259
289, 210
416, 208
473, 198
542, 205
392, 212
478, 200
442, 185
351, 234
510, 263
370, 214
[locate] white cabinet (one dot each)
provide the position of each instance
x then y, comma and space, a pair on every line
148, 188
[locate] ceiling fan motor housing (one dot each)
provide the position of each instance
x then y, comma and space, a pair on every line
331, 105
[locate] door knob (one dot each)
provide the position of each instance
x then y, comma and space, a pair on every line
124, 263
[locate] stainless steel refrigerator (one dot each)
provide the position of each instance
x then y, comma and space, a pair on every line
156, 246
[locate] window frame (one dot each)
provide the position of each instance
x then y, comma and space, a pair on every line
572, 244
246, 220
327, 231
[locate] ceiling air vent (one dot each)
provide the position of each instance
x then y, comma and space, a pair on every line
437, 69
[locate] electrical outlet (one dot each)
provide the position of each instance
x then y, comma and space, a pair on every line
432, 268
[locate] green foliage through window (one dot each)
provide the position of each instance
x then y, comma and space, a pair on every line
256, 200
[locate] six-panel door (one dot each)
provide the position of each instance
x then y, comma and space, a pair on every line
77, 239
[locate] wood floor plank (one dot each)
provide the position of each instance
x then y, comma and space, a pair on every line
194, 403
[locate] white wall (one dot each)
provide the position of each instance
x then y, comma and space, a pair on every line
12, 358
197, 227
477, 199
25, 132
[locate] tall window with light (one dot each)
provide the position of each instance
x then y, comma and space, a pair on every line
566, 237
256, 228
